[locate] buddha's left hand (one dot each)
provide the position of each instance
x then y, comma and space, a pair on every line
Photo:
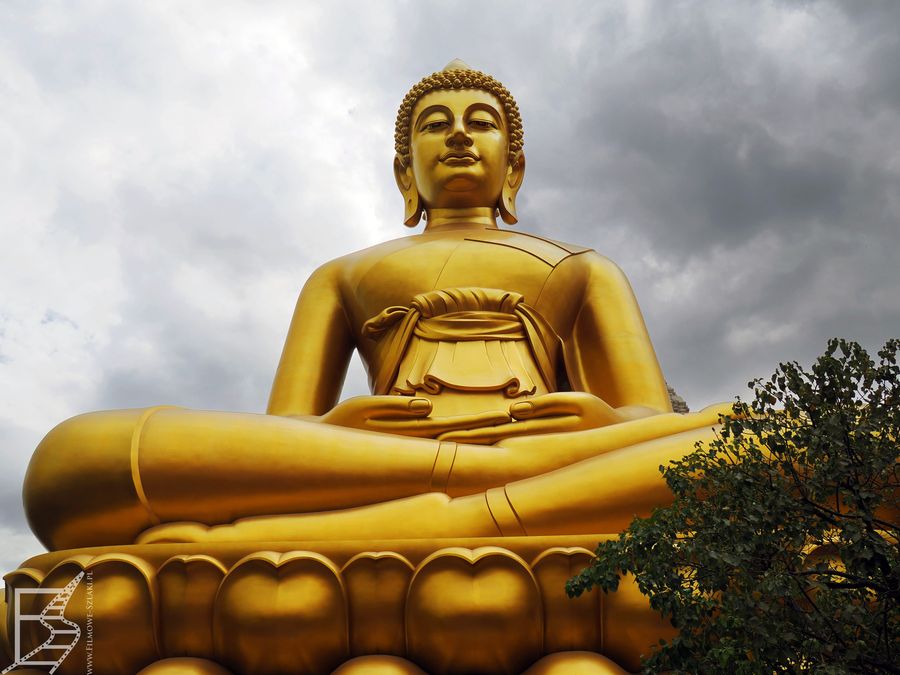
551, 413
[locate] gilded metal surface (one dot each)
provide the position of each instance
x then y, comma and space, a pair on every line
187, 590
515, 393
269, 599
5, 643
376, 584
569, 624
184, 666
124, 604
457, 610
584, 663
628, 626
459, 593
379, 665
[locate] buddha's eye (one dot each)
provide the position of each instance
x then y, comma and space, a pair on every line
482, 124
434, 126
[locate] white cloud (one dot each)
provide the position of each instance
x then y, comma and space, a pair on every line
17, 547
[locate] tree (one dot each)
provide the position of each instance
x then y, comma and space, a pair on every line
780, 551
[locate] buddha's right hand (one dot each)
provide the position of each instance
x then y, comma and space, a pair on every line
404, 415
554, 413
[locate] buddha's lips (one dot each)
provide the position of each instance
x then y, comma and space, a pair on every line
456, 155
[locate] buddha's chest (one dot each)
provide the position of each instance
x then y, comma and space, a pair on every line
448, 263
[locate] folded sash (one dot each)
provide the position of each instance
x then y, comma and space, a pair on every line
475, 339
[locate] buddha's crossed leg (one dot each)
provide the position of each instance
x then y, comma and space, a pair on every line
104, 478
601, 494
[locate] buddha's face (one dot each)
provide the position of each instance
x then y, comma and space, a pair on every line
459, 147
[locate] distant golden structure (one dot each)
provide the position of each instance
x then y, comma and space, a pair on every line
518, 415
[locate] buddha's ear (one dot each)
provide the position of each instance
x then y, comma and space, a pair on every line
515, 173
412, 206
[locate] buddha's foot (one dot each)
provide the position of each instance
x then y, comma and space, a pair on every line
173, 533
432, 515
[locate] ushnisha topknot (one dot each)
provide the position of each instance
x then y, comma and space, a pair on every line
457, 75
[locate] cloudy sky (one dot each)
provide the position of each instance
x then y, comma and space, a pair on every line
171, 172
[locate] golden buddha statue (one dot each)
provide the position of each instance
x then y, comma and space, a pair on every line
515, 391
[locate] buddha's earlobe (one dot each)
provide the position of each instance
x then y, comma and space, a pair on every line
514, 175
412, 206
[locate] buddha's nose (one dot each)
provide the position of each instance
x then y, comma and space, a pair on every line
459, 137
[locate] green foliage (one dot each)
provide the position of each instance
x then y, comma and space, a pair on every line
780, 550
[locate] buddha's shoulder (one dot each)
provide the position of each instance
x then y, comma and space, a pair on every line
441, 246
350, 266
551, 251
554, 252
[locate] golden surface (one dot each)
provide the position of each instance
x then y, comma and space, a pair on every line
516, 393
305, 594
379, 665
189, 583
472, 606
5, 642
184, 666
584, 663
376, 585
458, 593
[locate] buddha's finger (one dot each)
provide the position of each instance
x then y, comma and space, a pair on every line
381, 407
484, 436
434, 426
357, 412
532, 427
548, 405
489, 418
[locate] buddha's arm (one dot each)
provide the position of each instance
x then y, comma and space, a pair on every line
314, 362
609, 353
317, 349
612, 368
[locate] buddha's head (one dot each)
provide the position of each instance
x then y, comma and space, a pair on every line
459, 144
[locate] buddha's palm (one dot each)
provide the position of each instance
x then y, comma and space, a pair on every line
410, 416
551, 413
407, 416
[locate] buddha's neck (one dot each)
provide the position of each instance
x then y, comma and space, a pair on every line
478, 217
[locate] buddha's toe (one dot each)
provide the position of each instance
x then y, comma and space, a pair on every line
175, 533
